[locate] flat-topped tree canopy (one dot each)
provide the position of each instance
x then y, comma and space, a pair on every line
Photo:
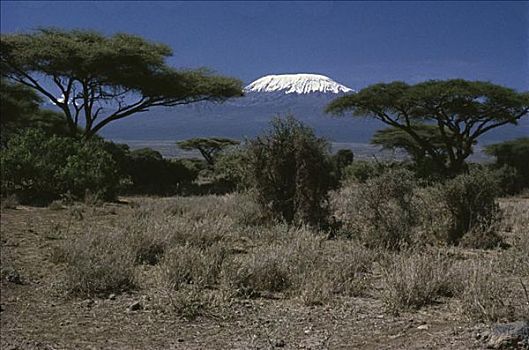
461, 111
99, 79
209, 147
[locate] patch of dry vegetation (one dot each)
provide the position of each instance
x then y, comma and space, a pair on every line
196, 255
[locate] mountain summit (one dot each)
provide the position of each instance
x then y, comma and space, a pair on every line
296, 84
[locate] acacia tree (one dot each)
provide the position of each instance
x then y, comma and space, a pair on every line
460, 110
95, 79
208, 147
394, 138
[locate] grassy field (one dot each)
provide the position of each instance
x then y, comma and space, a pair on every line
210, 273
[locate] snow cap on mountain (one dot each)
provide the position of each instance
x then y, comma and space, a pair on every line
297, 83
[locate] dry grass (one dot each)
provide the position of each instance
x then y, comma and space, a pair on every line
489, 295
203, 243
200, 257
9, 202
411, 280
97, 263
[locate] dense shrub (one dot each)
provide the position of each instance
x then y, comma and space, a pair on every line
39, 168
512, 160
152, 174
230, 169
341, 160
384, 211
468, 204
362, 170
291, 172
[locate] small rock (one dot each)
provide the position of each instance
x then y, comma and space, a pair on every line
180, 340
509, 335
135, 306
112, 296
423, 327
280, 343
88, 303
14, 277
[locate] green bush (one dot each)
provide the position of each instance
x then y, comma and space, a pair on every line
362, 170
39, 168
230, 170
151, 173
512, 160
291, 172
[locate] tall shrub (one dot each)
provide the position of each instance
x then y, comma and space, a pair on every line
469, 202
386, 210
291, 171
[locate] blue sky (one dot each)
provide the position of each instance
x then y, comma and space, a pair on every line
355, 43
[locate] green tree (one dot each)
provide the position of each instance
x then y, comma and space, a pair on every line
208, 147
461, 111
95, 79
394, 138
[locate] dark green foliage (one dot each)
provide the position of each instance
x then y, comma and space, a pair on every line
363, 170
150, 173
20, 109
39, 168
461, 110
124, 73
394, 138
291, 171
342, 159
208, 147
470, 201
512, 162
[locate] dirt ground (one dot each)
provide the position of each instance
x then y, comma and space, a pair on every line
36, 314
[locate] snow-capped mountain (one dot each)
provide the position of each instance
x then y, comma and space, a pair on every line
304, 96
296, 84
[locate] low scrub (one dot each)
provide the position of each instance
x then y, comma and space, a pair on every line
489, 297
465, 210
187, 265
412, 280
97, 264
268, 269
382, 212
